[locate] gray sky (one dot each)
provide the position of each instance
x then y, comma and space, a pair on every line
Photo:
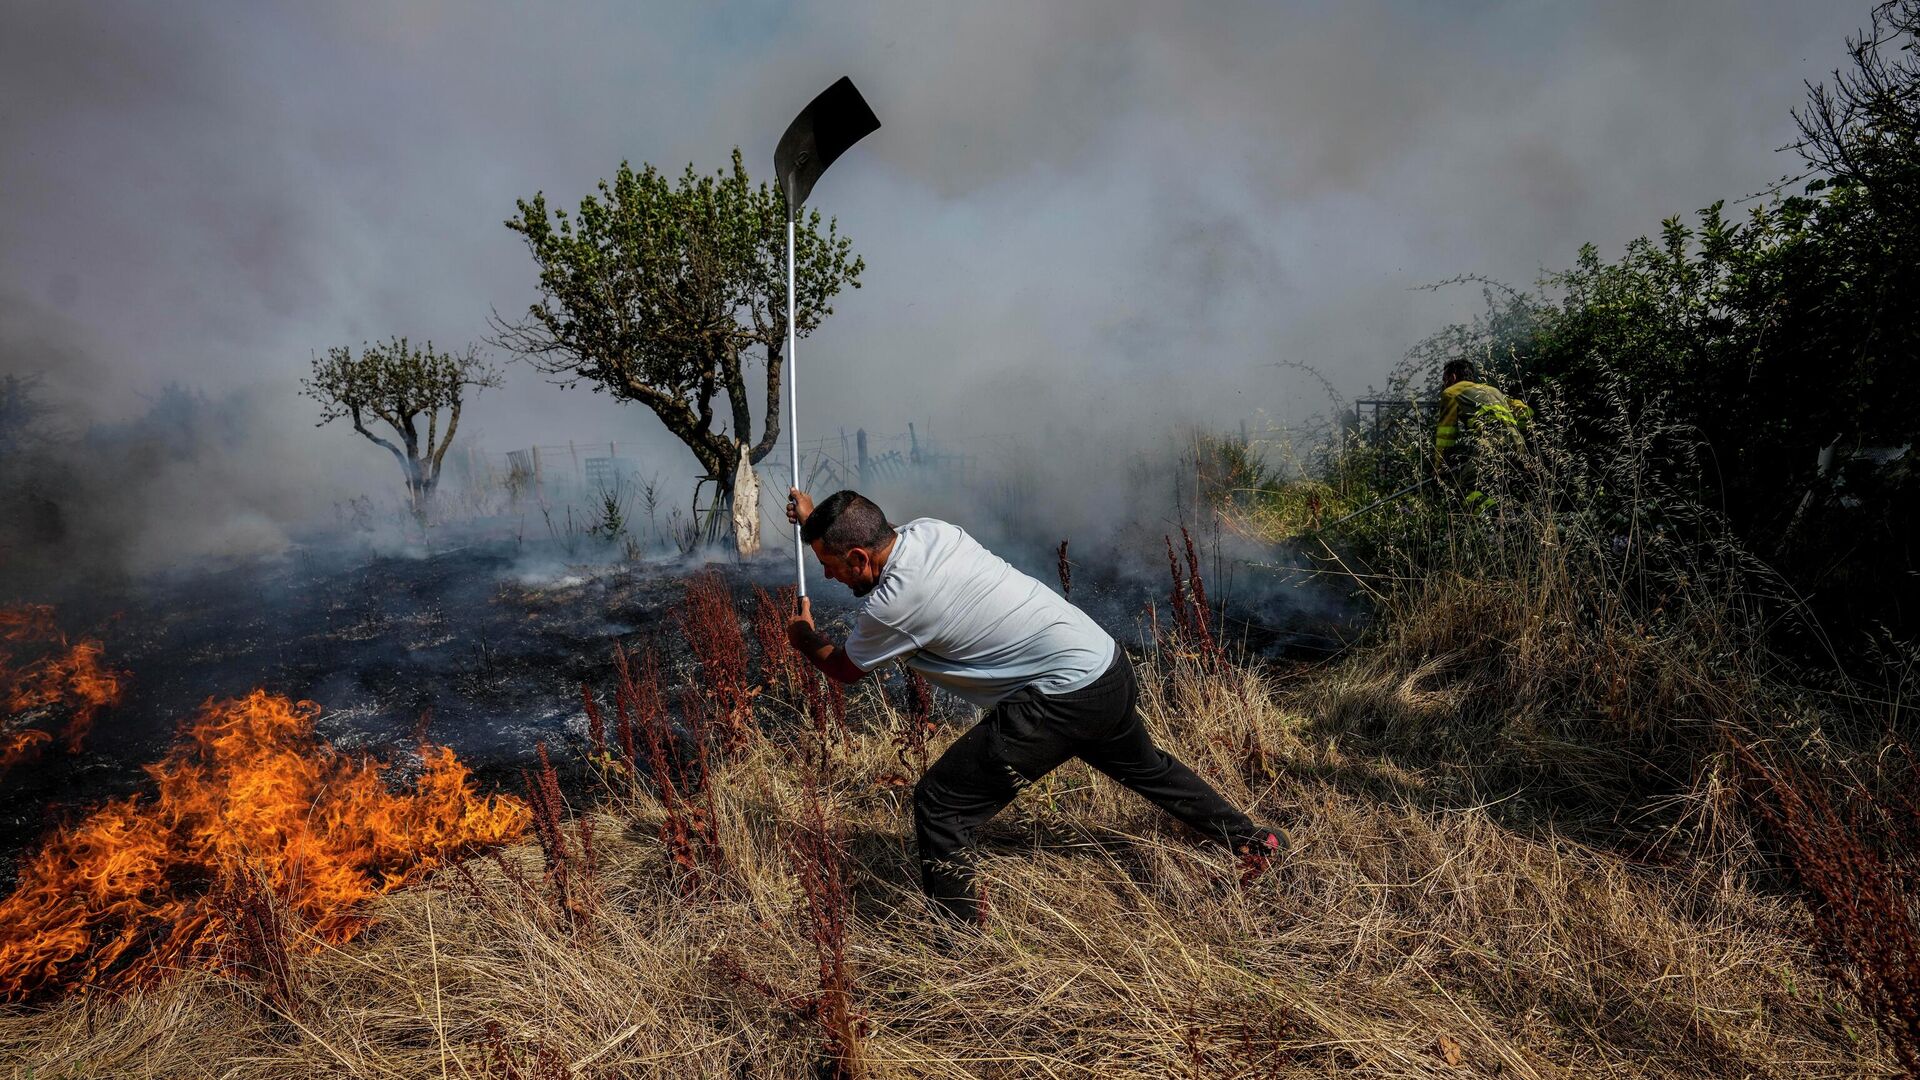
1087, 218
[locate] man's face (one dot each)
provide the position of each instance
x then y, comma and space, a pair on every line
855, 569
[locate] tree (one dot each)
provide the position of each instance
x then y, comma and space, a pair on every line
662, 293
1864, 126
396, 383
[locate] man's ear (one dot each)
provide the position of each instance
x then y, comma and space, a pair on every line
857, 559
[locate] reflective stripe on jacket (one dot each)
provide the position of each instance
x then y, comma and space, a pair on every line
1465, 404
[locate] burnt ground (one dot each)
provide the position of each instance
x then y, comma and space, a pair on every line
495, 637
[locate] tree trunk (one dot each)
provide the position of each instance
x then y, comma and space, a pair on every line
419, 488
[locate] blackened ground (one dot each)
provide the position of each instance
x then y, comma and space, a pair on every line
494, 637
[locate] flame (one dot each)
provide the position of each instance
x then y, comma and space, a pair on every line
67, 677
136, 888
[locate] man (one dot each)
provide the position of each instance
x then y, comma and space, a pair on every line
1053, 684
1476, 421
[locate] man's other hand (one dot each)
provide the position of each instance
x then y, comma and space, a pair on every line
800, 632
799, 506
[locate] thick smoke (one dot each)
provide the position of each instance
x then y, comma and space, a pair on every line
1086, 223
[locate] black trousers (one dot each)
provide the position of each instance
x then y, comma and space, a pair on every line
1025, 737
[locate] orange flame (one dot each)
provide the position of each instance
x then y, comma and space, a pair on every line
69, 678
135, 889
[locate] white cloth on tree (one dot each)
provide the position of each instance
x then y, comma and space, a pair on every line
746, 506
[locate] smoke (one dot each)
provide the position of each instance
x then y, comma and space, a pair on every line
1086, 223
192, 476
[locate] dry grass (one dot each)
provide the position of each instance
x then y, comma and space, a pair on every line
1399, 937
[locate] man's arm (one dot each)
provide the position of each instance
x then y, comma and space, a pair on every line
831, 659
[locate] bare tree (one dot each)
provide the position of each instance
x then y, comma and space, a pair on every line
1864, 128
398, 384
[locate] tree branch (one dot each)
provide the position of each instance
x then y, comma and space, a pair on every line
377, 440
770, 437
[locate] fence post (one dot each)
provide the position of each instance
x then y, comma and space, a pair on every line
860, 442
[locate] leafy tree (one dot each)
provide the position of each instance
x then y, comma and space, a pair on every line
662, 293
396, 383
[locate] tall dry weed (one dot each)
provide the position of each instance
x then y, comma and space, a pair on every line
1853, 845
675, 765
815, 848
710, 624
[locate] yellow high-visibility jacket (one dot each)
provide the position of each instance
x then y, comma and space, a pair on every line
1466, 405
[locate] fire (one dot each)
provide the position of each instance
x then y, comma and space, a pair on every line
68, 678
249, 795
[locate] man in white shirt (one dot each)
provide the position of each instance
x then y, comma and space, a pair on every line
1053, 684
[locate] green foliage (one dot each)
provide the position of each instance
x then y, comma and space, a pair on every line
612, 522
658, 291
1230, 470
1756, 349
398, 384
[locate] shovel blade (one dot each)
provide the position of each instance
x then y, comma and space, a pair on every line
829, 124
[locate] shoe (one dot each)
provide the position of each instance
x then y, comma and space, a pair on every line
1259, 856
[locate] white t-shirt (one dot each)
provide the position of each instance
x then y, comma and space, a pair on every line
960, 615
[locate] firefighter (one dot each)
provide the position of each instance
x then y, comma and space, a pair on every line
1477, 423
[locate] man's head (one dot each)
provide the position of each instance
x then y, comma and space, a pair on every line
1457, 370
851, 538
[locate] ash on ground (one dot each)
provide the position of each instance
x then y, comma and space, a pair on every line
488, 641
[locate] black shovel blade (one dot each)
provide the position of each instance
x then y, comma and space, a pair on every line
829, 124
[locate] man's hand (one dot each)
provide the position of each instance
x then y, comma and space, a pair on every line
799, 506
821, 653
800, 632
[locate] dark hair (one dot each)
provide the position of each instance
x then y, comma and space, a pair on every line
846, 520
1457, 369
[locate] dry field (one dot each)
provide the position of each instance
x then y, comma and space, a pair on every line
760, 918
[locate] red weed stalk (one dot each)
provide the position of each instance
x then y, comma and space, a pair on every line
828, 908
596, 726
562, 864
625, 692
696, 779
1857, 859
712, 629
837, 706
815, 701
676, 830
257, 948
543, 797
1192, 629
1179, 598
780, 667
1201, 612
688, 829
916, 725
